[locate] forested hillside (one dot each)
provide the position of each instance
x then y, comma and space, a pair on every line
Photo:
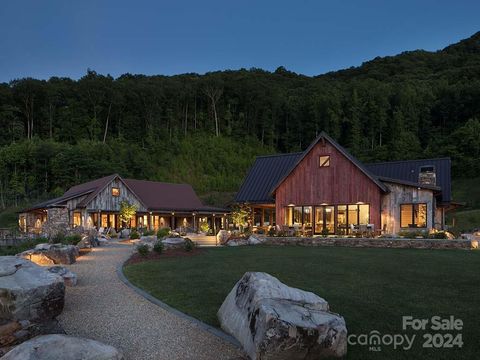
207, 129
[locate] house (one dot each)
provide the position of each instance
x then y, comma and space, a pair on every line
96, 204
325, 190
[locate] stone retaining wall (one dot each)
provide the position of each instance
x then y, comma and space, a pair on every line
374, 243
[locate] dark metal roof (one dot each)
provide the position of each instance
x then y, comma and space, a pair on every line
165, 196
408, 170
263, 176
267, 172
155, 196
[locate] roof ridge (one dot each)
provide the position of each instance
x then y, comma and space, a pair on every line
158, 182
281, 154
403, 161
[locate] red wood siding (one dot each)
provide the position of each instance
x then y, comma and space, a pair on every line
340, 183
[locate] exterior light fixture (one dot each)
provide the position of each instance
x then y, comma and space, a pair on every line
291, 204
173, 213
359, 203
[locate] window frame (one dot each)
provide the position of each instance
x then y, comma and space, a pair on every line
115, 192
412, 219
326, 161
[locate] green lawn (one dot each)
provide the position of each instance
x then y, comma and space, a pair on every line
371, 288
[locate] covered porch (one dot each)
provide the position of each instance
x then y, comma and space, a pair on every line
181, 221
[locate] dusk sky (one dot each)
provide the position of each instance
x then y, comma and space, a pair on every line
63, 38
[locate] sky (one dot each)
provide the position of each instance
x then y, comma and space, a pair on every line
48, 38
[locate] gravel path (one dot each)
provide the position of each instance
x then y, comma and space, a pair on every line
103, 308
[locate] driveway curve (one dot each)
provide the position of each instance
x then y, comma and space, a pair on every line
103, 308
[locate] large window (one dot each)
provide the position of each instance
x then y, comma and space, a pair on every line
77, 219
257, 216
307, 215
413, 215
297, 215
288, 215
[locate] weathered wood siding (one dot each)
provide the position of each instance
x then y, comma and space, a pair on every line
104, 201
72, 203
340, 183
403, 194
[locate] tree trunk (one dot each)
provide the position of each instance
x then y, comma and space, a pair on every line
217, 131
195, 114
186, 119
106, 123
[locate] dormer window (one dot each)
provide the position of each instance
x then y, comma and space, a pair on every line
426, 175
324, 161
115, 191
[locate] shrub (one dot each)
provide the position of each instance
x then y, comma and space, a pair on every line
71, 239
143, 250
148, 232
163, 232
58, 237
189, 245
204, 227
158, 247
438, 235
134, 235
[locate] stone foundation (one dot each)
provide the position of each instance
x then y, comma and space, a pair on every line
374, 243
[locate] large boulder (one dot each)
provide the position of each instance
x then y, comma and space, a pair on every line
50, 254
69, 277
31, 298
62, 347
274, 321
222, 236
255, 239
173, 243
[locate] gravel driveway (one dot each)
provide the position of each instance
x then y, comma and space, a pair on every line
103, 308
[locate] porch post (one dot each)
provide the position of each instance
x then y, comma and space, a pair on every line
214, 225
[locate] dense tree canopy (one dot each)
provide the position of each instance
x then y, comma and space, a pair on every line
206, 129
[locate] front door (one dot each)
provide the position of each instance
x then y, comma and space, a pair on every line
325, 219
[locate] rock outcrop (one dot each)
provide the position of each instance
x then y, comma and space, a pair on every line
31, 298
274, 321
173, 243
50, 254
69, 277
62, 347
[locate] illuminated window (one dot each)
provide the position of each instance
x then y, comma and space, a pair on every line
288, 216
413, 215
297, 215
115, 191
77, 219
324, 161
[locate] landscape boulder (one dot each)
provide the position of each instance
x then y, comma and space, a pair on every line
62, 347
31, 298
222, 236
50, 254
274, 321
173, 243
69, 277
237, 242
256, 239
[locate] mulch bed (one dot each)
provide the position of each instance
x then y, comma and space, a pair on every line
137, 258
